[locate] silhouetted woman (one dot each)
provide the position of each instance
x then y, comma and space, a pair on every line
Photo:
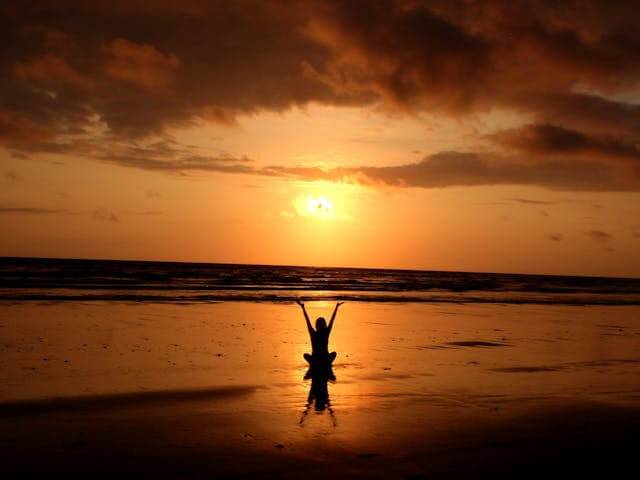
320, 338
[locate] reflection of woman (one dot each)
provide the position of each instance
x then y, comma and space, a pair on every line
320, 338
319, 394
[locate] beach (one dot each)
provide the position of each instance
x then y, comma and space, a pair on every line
218, 390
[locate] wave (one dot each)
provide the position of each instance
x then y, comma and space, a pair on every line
503, 297
31, 279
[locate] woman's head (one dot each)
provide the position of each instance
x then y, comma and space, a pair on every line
321, 324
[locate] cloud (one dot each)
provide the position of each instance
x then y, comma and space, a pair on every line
12, 176
599, 235
140, 65
556, 237
440, 170
131, 70
141, 68
49, 69
153, 194
407, 54
530, 201
448, 169
551, 140
164, 156
106, 216
29, 210
221, 59
459, 58
578, 111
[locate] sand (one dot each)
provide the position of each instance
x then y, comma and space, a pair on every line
421, 391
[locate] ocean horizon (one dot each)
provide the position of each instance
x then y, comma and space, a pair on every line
54, 279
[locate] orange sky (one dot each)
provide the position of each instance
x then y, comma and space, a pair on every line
396, 134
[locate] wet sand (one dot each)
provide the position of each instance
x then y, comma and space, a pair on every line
421, 391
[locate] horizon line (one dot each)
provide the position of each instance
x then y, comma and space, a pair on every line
5, 257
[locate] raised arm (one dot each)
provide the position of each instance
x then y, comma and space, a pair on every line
333, 316
306, 317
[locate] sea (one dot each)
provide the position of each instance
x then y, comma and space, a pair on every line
54, 280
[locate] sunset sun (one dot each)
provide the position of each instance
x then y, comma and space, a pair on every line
319, 207
312, 206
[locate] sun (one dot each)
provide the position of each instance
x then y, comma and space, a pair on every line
319, 207
315, 207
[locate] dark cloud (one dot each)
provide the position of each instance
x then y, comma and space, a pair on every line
139, 68
12, 176
530, 201
166, 155
469, 169
133, 69
106, 216
551, 140
591, 113
29, 210
153, 194
406, 53
457, 56
444, 169
187, 163
599, 235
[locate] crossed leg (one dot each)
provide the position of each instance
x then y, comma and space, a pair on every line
309, 358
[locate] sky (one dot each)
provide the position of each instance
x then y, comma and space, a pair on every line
499, 136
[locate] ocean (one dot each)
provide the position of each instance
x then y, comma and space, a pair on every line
43, 279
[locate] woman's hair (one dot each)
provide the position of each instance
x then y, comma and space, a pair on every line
321, 323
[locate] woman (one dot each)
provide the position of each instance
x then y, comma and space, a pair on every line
320, 338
